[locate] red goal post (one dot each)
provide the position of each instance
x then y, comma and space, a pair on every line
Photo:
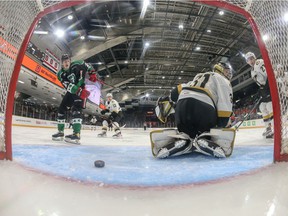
19, 18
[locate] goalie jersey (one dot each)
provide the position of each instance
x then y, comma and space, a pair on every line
113, 106
211, 88
259, 75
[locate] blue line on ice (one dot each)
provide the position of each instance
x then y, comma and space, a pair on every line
135, 166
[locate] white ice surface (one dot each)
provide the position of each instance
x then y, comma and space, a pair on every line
28, 193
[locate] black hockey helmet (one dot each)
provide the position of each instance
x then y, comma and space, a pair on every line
220, 67
65, 57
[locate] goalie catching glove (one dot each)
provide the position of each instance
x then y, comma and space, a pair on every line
164, 108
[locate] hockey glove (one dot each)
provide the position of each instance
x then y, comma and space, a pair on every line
104, 111
93, 77
82, 93
164, 108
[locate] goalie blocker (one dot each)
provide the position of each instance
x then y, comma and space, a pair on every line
169, 142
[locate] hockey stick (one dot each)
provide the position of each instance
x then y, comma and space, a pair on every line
247, 115
107, 119
112, 86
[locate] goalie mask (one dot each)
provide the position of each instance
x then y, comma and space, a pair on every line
224, 69
164, 109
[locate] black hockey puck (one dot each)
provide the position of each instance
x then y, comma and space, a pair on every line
99, 163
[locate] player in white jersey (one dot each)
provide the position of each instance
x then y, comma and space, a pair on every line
202, 104
282, 83
113, 113
259, 75
93, 122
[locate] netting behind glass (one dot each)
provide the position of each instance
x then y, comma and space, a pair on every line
17, 16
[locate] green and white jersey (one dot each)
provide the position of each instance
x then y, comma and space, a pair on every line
74, 77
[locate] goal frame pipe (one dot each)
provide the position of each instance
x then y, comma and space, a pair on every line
216, 3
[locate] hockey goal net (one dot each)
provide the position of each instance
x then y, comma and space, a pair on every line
18, 19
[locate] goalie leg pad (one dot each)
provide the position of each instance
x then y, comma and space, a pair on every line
161, 138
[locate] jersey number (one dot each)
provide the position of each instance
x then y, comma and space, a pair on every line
201, 80
263, 68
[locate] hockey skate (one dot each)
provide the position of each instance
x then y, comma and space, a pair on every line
208, 147
73, 138
117, 134
58, 136
102, 134
268, 133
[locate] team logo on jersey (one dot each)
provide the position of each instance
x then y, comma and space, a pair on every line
71, 78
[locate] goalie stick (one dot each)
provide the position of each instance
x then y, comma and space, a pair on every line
248, 114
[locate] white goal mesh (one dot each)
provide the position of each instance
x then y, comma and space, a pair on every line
17, 16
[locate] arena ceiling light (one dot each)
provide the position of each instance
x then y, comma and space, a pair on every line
93, 37
146, 3
20, 81
221, 13
147, 44
59, 33
70, 17
40, 32
197, 48
126, 62
82, 37
181, 26
208, 30
182, 71
285, 17
265, 37
147, 95
179, 78
163, 77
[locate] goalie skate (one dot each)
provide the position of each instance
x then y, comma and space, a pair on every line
208, 147
179, 147
222, 137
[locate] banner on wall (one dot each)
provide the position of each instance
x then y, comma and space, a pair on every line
51, 61
42, 71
